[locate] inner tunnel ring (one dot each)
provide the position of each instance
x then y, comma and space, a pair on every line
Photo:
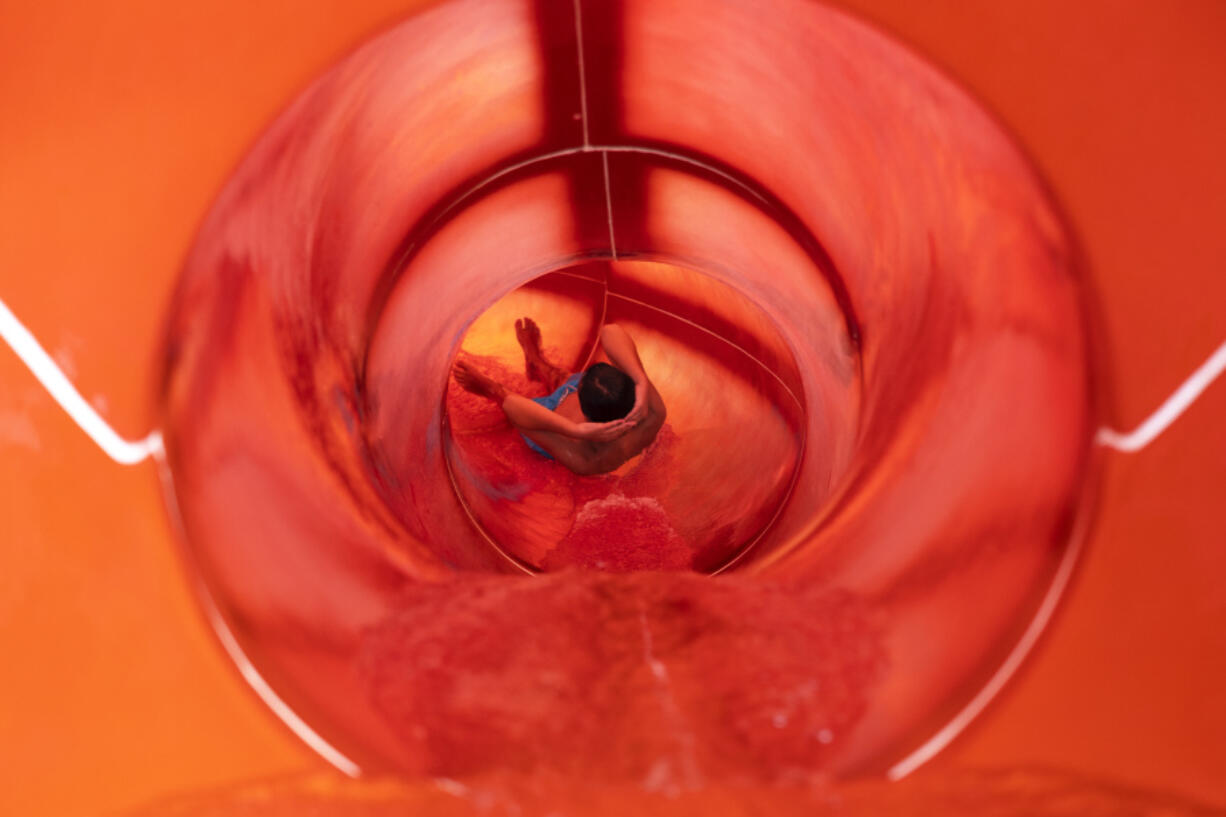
908, 281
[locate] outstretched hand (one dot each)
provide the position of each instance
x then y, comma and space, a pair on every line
604, 432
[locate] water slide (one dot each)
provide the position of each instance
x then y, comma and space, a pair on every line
899, 385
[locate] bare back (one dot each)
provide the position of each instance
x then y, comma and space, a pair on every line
587, 457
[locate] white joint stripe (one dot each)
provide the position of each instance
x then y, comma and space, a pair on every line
608, 203
274, 702
582, 72
124, 452
1030, 637
1169, 411
234, 650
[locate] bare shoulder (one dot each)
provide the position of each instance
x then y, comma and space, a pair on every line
614, 454
657, 413
657, 403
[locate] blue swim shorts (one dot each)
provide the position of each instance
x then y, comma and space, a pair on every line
551, 402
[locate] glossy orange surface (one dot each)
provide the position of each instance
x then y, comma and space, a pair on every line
113, 683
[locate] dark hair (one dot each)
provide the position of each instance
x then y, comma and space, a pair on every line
605, 393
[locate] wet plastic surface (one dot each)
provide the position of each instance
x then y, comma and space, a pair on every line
1066, 710
715, 479
916, 440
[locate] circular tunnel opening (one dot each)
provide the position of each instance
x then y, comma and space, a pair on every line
717, 474
745, 332
849, 285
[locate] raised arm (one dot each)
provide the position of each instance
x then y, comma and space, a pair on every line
528, 415
623, 354
620, 348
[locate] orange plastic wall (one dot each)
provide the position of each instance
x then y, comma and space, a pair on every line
121, 125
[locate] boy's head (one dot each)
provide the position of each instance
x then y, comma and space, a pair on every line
605, 393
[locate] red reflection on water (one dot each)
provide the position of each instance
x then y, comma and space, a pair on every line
789, 189
608, 678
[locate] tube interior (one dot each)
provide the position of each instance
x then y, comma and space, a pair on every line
738, 382
717, 476
850, 285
